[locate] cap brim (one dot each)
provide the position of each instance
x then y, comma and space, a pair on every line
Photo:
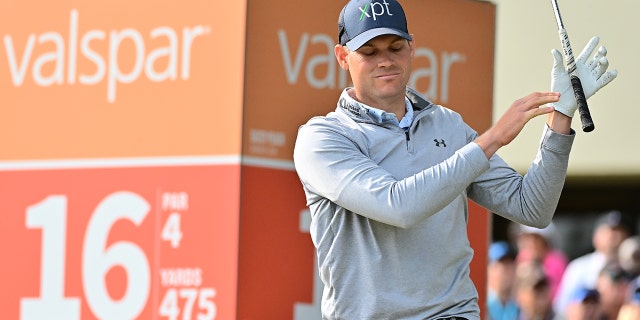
359, 40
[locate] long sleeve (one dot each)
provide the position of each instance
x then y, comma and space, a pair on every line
332, 166
531, 199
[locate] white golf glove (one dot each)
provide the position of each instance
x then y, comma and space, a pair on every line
593, 74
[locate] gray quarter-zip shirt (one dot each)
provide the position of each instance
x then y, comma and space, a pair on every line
390, 207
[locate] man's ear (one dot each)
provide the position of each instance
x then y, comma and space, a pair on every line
412, 45
341, 53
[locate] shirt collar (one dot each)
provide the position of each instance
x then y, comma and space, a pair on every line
380, 116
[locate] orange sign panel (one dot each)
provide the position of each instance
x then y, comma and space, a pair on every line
292, 73
126, 243
120, 79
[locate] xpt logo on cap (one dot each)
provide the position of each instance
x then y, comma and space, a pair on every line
377, 9
363, 20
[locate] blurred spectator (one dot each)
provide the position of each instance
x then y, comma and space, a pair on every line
613, 284
584, 305
501, 274
539, 244
634, 290
631, 309
629, 255
532, 291
609, 231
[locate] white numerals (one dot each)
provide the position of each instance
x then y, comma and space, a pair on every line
98, 260
175, 203
50, 215
184, 298
171, 231
170, 306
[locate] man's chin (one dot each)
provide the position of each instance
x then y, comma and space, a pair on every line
390, 92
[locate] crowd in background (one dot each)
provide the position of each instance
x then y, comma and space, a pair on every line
529, 278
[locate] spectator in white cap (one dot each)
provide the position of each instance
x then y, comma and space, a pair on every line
629, 255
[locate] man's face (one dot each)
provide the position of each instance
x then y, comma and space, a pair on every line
380, 69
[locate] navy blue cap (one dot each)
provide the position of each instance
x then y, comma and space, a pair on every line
363, 20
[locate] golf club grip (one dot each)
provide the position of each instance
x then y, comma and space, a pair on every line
583, 108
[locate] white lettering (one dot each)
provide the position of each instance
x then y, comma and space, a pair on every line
170, 52
73, 47
181, 277
430, 71
114, 73
188, 35
56, 56
18, 71
384, 6
92, 55
374, 12
177, 201
274, 138
447, 61
364, 12
334, 77
125, 49
329, 60
292, 71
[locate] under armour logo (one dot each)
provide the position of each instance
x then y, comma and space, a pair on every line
441, 142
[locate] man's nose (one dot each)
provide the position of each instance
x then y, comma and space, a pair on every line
385, 59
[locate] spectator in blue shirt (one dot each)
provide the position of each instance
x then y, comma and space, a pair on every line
501, 273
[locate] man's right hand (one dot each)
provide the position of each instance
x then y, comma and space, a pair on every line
514, 119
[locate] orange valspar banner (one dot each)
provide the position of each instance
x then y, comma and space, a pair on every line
98, 79
292, 74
